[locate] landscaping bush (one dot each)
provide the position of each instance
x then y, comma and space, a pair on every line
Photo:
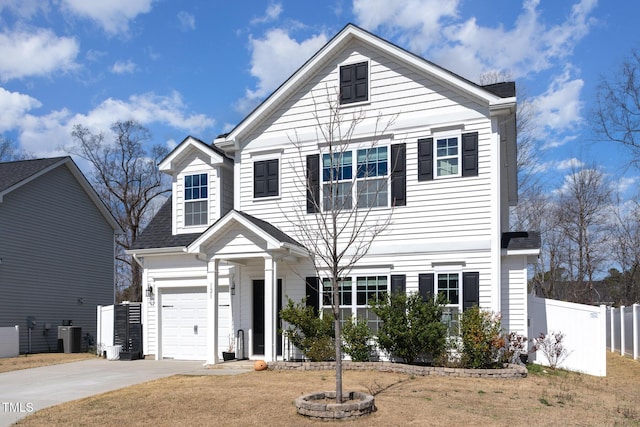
482, 340
356, 338
552, 346
311, 334
410, 327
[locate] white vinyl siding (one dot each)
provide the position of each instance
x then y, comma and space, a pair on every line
195, 163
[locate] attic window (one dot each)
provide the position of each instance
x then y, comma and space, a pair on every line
354, 83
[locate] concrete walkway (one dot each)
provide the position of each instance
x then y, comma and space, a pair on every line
26, 391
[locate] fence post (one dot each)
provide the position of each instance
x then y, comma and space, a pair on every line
636, 335
612, 327
622, 340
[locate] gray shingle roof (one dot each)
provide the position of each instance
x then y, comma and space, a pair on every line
521, 240
12, 173
271, 230
158, 234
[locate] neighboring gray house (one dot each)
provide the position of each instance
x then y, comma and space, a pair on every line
57, 243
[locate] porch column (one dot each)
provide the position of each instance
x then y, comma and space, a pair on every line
212, 311
270, 333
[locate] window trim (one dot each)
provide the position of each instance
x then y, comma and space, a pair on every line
353, 63
458, 156
353, 182
207, 199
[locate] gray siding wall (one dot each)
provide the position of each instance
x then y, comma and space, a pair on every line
57, 255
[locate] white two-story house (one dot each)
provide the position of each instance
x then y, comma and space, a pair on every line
430, 155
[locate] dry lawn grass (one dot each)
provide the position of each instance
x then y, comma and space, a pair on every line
265, 399
42, 359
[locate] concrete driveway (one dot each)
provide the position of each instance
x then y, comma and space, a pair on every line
26, 391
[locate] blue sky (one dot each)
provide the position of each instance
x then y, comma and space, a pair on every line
196, 68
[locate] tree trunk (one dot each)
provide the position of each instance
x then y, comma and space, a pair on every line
338, 334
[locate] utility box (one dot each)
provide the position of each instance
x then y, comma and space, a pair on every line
70, 339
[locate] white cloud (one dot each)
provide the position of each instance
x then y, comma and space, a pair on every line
432, 28
271, 14
37, 53
113, 16
559, 107
273, 59
14, 106
124, 67
626, 183
417, 23
186, 20
551, 140
569, 164
43, 135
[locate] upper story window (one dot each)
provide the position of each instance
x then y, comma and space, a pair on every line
266, 178
196, 199
337, 180
445, 156
369, 187
354, 83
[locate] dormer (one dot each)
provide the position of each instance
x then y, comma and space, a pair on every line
201, 183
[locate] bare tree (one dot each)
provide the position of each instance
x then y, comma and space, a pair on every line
10, 152
339, 222
626, 250
126, 176
617, 111
582, 212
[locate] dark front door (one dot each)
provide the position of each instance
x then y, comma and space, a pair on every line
258, 317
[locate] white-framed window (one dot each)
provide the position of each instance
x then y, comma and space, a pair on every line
447, 156
448, 285
354, 300
369, 186
196, 196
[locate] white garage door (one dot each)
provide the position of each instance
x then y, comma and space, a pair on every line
184, 323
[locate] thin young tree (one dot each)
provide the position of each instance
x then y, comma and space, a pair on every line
583, 221
339, 221
125, 174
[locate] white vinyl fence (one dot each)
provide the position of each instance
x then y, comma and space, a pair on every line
9, 341
623, 330
584, 328
104, 337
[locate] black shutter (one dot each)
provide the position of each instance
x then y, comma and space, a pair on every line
398, 283
425, 159
265, 178
398, 175
354, 86
470, 154
425, 286
470, 290
312, 293
313, 183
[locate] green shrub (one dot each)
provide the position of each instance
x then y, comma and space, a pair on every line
482, 340
410, 327
311, 334
355, 340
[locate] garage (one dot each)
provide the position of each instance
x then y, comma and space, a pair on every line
184, 323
